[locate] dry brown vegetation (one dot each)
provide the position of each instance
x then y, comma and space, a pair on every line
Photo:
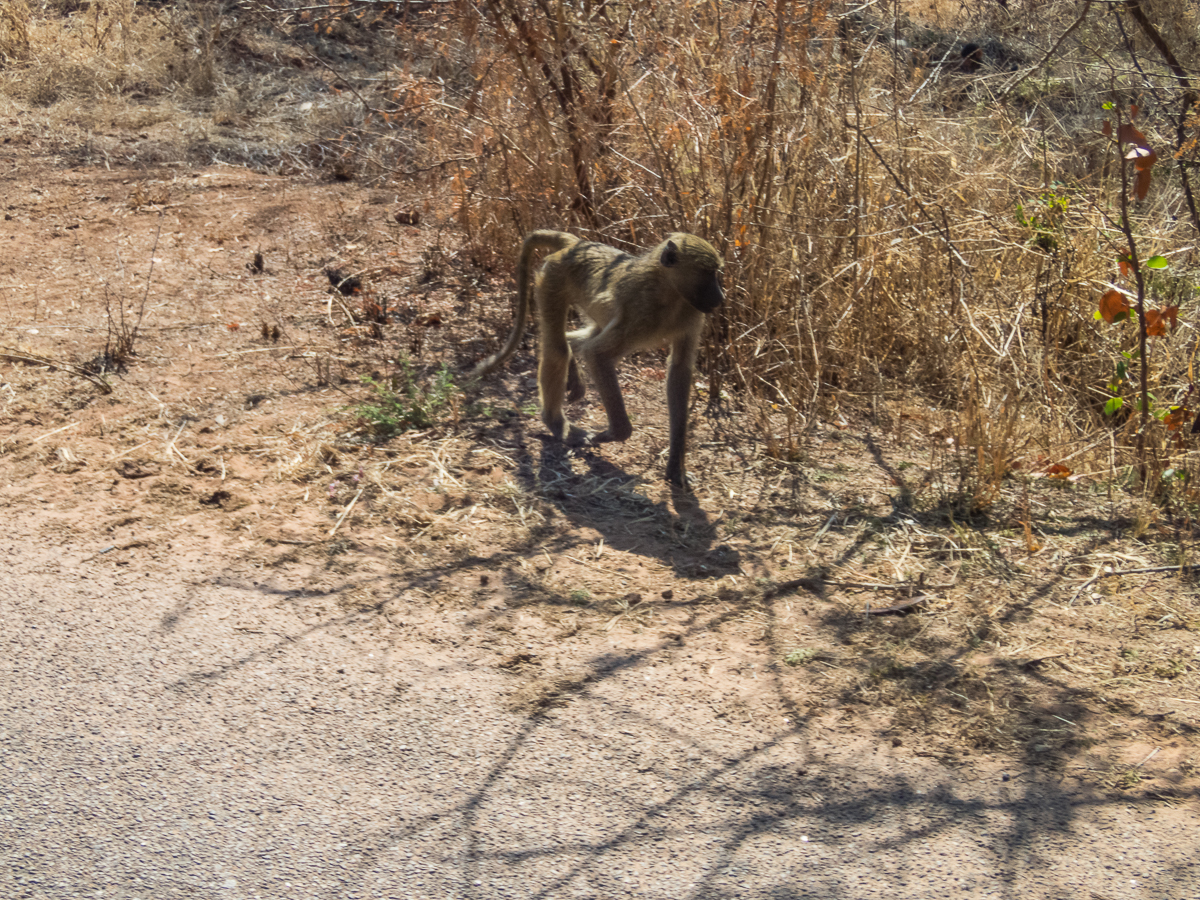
897, 229
916, 250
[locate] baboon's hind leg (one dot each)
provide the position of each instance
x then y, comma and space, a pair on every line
552, 381
603, 369
555, 363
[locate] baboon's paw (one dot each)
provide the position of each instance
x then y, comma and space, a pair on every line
558, 426
610, 435
679, 479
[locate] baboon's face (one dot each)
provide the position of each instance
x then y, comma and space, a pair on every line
695, 271
706, 295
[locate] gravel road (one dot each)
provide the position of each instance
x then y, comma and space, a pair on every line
180, 731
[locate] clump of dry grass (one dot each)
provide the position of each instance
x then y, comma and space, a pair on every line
14, 31
101, 49
194, 81
894, 226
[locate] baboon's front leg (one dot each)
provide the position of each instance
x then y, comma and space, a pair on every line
680, 372
603, 369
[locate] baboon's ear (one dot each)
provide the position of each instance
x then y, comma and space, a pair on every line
670, 255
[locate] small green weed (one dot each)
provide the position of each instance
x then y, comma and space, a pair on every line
801, 656
403, 404
1174, 668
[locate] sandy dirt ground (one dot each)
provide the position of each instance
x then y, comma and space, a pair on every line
249, 653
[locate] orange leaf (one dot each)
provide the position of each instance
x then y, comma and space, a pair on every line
1177, 417
1156, 325
1125, 263
1113, 304
234, 326
1058, 470
1142, 188
1127, 134
1133, 110
1157, 319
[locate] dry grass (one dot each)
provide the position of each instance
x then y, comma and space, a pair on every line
866, 198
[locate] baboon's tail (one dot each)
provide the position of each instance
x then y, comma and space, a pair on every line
534, 241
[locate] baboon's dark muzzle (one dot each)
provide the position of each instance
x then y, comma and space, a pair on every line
709, 298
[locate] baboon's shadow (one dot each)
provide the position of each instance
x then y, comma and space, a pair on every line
608, 499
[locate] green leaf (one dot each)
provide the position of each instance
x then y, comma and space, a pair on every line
1113, 405
1156, 262
1107, 105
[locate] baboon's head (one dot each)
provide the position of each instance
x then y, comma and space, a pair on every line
693, 268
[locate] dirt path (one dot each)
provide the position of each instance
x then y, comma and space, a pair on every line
184, 733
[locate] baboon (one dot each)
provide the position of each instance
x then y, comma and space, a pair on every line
631, 303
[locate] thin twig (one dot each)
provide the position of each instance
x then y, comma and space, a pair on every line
814, 584
896, 586
254, 350
1012, 85
943, 231
18, 356
824, 528
896, 608
130, 450
1087, 584
55, 431
346, 512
